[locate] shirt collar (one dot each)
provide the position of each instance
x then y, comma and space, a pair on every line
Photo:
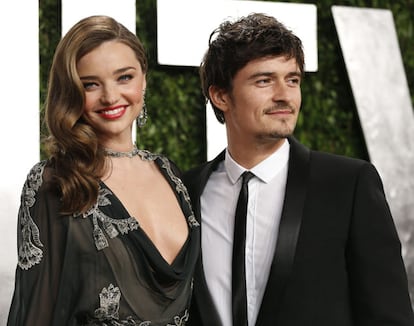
265, 170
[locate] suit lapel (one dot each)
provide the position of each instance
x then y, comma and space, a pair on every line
195, 181
288, 233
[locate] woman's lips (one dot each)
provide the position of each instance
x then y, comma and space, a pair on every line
112, 113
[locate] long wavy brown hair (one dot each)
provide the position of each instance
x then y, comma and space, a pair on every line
73, 146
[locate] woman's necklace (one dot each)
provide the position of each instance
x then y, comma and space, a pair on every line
130, 154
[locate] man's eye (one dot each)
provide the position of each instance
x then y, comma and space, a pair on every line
294, 81
263, 81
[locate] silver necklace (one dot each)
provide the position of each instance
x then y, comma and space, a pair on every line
129, 154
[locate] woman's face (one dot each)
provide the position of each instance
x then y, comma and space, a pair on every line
114, 87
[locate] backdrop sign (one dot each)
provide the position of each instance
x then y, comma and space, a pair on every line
373, 59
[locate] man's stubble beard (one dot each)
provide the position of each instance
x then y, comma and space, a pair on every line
276, 135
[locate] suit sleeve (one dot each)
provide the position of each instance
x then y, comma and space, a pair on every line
378, 279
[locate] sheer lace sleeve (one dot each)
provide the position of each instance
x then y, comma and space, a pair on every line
38, 270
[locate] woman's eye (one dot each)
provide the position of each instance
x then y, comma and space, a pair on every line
89, 85
125, 77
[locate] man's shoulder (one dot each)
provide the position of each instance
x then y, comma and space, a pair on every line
340, 167
196, 178
204, 168
195, 170
324, 160
195, 173
333, 158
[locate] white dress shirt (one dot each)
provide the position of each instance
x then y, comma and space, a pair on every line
218, 206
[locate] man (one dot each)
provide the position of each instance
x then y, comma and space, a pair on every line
321, 247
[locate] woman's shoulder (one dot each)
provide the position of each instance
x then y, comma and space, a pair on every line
35, 176
39, 174
39, 183
37, 167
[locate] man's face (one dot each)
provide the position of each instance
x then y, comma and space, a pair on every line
264, 103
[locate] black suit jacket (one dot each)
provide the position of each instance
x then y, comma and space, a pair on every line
338, 256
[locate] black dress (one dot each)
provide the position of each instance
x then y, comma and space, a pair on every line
98, 268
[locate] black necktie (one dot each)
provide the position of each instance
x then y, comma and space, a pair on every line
239, 298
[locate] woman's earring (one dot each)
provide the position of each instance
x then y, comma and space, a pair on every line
142, 117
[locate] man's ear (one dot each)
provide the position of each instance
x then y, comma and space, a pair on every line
218, 97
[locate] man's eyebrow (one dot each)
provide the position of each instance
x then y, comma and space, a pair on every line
294, 74
261, 74
269, 74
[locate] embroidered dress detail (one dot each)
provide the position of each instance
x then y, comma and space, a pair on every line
179, 185
109, 303
30, 253
108, 312
180, 321
111, 226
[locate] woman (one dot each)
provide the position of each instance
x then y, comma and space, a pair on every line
106, 231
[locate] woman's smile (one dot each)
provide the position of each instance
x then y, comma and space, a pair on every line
113, 113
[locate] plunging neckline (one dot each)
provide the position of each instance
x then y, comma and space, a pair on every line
126, 215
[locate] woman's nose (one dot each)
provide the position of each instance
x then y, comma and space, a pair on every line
110, 95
